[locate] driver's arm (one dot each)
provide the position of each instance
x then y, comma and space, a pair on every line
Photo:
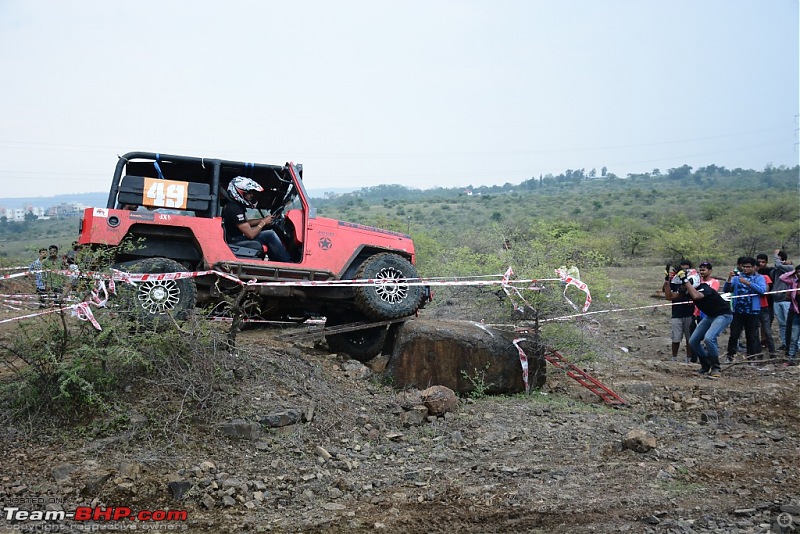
253, 227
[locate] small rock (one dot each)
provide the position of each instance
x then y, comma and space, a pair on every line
280, 419
414, 417
793, 509
322, 453
179, 489
208, 467
409, 398
239, 428
333, 506
356, 369
378, 363
207, 501
439, 400
709, 416
651, 520
639, 441
62, 472
308, 414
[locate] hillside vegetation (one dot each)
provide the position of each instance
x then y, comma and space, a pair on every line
576, 217
711, 214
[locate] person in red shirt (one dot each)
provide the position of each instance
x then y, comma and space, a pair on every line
704, 270
765, 318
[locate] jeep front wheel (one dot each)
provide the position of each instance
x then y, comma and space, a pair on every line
156, 297
390, 296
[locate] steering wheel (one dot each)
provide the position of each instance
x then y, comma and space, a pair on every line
279, 224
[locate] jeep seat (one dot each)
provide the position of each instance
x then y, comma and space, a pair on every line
247, 249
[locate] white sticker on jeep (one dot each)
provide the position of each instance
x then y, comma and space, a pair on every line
100, 212
164, 193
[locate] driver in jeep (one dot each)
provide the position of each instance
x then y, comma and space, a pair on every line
243, 192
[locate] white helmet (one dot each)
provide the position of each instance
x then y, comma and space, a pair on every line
241, 185
692, 277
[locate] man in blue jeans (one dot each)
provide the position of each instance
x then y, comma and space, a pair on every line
747, 288
717, 318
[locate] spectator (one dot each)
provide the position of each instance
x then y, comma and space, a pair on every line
682, 314
36, 269
763, 269
704, 270
780, 299
717, 317
52, 265
71, 264
792, 279
747, 287
764, 318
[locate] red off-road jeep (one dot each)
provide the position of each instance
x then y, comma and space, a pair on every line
170, 208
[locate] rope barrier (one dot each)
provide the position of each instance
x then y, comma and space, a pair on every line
509, 285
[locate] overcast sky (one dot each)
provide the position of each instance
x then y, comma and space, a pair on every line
419, 93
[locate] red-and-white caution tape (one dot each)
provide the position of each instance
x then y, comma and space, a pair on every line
571, 281
523, 360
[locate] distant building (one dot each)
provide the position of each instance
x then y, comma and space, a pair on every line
66, 209
18, 214
60, 211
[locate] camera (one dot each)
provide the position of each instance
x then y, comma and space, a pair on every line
736, 272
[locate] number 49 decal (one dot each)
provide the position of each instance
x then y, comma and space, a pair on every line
164, 193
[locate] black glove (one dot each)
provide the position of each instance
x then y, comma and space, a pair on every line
681, 275
667, 270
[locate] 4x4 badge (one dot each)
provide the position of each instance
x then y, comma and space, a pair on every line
325, 243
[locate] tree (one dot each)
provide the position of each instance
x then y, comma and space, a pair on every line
30, 216
680, 173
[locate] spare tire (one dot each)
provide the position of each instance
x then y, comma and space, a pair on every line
158, 297
390, 296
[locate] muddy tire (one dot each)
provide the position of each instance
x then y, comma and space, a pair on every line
361, 345
158, 299
389, 297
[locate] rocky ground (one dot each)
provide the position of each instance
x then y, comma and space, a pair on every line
311, 442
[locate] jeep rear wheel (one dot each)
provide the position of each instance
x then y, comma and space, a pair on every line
361, 345
391, 296
155, 298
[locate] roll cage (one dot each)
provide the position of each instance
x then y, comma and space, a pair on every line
138, 173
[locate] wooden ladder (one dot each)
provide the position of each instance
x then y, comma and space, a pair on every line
322, 331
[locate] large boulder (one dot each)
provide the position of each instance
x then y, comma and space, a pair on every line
463, 356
